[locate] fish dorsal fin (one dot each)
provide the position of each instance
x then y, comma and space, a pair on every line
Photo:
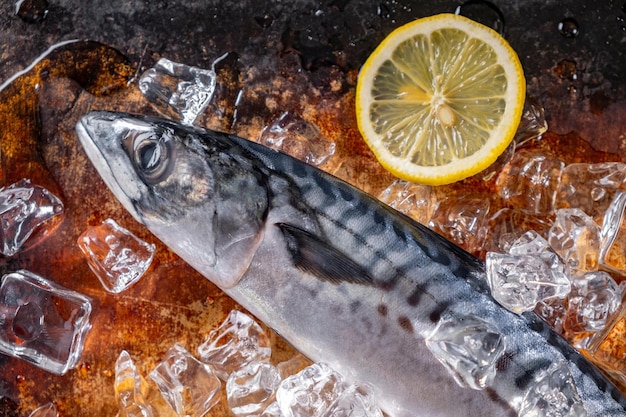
316, 257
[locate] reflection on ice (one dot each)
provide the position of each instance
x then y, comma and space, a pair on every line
179, 91
188, 385
251, 389
24, 207
298, 138
237, 342
42, 322
116, 256
614, 236
469, 348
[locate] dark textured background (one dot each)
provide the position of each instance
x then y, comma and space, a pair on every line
300, 56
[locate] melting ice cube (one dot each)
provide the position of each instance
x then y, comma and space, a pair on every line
237, 342
415, 200
131, 389
115, 255
462, 220
42, 322
529, 182
177, 90
595, 297
576, 238
520, 282
590, 187
507, 225
188, 385
469, 348
24, 207
613, 233
251, 389
533, 123
47, 410
298, 138
553, 393
311, 392
354, 401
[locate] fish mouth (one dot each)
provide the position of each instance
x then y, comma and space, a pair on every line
103, 145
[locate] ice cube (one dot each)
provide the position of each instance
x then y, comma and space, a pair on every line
41, 322
354, 401
311, 392
576, 238
533, 123
608, 347
116, 256
47, 410
553, 311
507, 225
23, 208
462, 220
299, 138
613, 235
520, 282
251, 389
237, 342
188, 385
131, 389
553, 393
590, 187
415, 200
179, 91
529, 243
595, 297
529, 182
469, 348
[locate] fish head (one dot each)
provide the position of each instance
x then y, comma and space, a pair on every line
196, 190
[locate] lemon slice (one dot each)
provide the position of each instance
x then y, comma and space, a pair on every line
440, 99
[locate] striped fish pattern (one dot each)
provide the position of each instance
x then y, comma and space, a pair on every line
344, 278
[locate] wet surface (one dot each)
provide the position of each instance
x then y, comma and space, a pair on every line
302, 57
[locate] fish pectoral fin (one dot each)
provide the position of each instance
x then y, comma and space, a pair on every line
317, 257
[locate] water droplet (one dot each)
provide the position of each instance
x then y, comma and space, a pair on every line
383, 11
264, 21
31, 11
624, 7
483, 12
568, 27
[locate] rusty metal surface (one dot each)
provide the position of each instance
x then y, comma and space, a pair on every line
300, 56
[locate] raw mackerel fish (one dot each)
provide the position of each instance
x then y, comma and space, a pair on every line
344, 278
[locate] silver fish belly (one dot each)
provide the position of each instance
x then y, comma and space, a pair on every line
344, 278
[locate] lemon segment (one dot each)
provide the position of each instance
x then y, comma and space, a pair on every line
440, 99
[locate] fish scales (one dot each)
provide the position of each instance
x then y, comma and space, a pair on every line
342, 277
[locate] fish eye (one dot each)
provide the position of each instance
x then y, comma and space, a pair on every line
152, 155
